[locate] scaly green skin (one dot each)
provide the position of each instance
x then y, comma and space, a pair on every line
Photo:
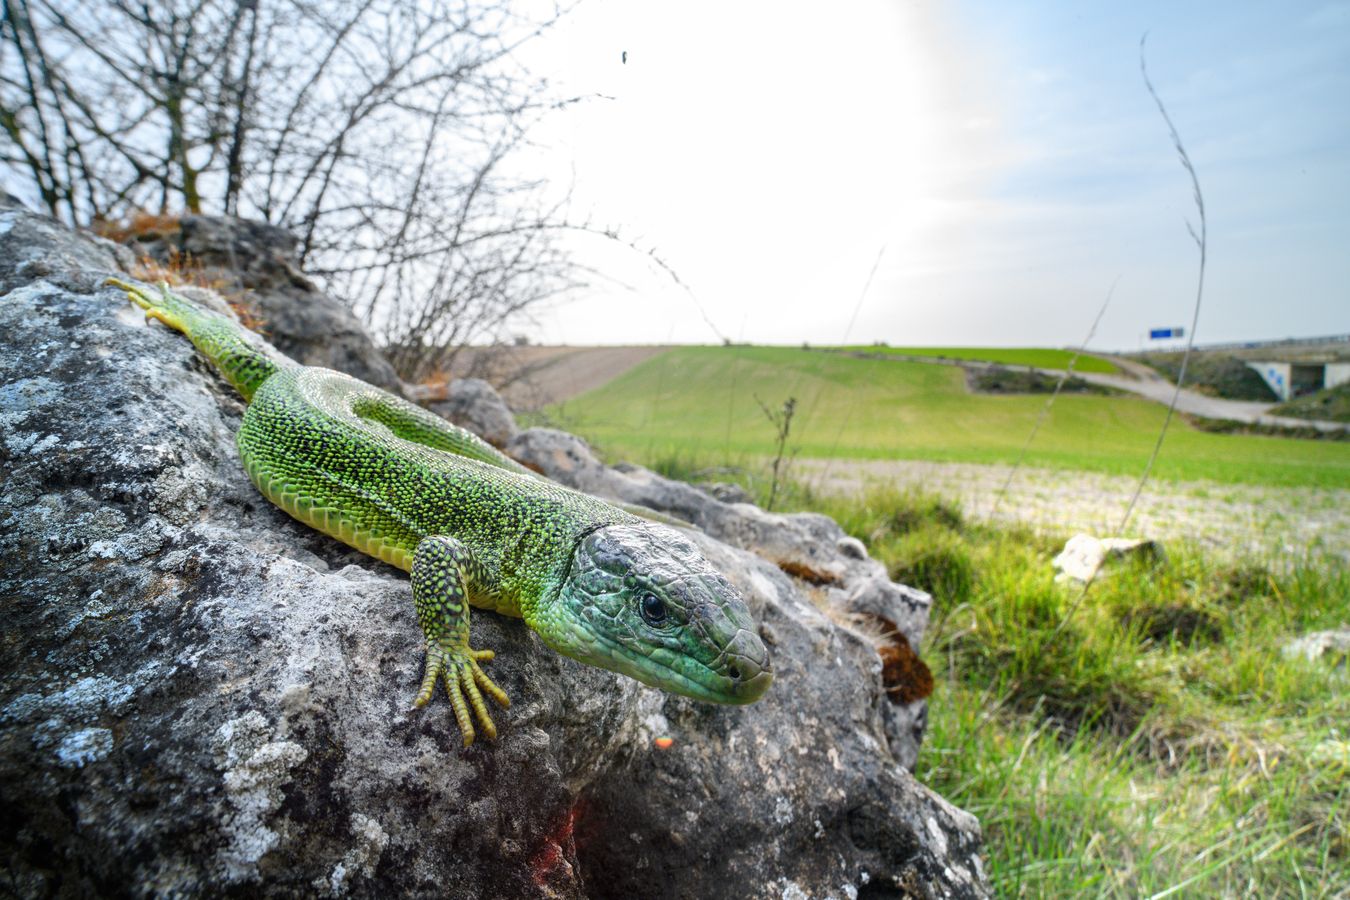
474, 528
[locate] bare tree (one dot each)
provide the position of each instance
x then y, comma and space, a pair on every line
380, 132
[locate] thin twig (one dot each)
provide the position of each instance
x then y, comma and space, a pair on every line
1200, 241
848, 410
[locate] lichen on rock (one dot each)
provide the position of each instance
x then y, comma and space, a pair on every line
201, 696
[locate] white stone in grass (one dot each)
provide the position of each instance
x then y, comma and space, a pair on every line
1084, 554
1318, 644
1333, 752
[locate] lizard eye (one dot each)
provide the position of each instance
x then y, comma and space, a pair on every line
653, 609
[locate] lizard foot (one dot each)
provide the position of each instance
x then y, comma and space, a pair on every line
167, 308
457, 664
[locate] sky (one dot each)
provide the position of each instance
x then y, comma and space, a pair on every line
999, 164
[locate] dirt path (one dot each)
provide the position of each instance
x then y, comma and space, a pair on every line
534, 377
1160, 390
1234, 520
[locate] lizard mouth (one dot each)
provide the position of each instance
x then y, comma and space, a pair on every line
718, 688
745, 668
738, 678
748, 690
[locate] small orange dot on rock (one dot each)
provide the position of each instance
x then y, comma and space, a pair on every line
664, 743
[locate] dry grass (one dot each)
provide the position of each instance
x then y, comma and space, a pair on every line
179, 269
139, 224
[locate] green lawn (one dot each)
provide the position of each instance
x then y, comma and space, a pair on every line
1041, 358
700, 402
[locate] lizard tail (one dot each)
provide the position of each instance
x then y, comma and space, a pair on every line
218, 338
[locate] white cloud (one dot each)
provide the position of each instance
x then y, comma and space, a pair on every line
1007, 158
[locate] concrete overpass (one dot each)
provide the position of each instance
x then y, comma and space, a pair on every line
1294, 379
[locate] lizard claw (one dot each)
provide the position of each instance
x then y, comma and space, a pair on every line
165, 308
465, 681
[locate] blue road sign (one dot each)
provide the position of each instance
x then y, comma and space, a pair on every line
1156, 333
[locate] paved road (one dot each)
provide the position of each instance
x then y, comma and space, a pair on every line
1146, 382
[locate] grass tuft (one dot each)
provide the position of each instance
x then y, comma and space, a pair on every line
934, 559
1160, 744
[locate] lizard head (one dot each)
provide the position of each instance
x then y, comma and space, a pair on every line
641, 600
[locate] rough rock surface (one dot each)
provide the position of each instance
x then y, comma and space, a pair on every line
474, 404
299, 319
201, 696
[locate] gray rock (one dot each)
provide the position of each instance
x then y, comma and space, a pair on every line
474, 404
302, 321
728, 492
199, 696
851, 547
39, 247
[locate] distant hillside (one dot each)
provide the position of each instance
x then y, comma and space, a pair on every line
1037, 357
1216, 374
531, 377
1333, 348
1331, 404
703, 406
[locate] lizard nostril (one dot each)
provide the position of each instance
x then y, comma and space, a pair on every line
735, 673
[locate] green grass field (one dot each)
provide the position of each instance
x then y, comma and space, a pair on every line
1150, 740
1147, 740
1041, 358
700, 403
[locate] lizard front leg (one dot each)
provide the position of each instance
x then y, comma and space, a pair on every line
443, 573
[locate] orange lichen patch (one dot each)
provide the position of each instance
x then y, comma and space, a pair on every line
904, 676
532, 466
820, 599
664, 743
139, 224
179, 269
423, 394
806, 573
438, 382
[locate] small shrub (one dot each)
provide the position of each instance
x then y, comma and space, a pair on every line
937, 560
999, 380
1214, 374
1243, 582
924, 510
1331, 404
1178, 622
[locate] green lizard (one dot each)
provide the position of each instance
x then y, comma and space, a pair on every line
473, 527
